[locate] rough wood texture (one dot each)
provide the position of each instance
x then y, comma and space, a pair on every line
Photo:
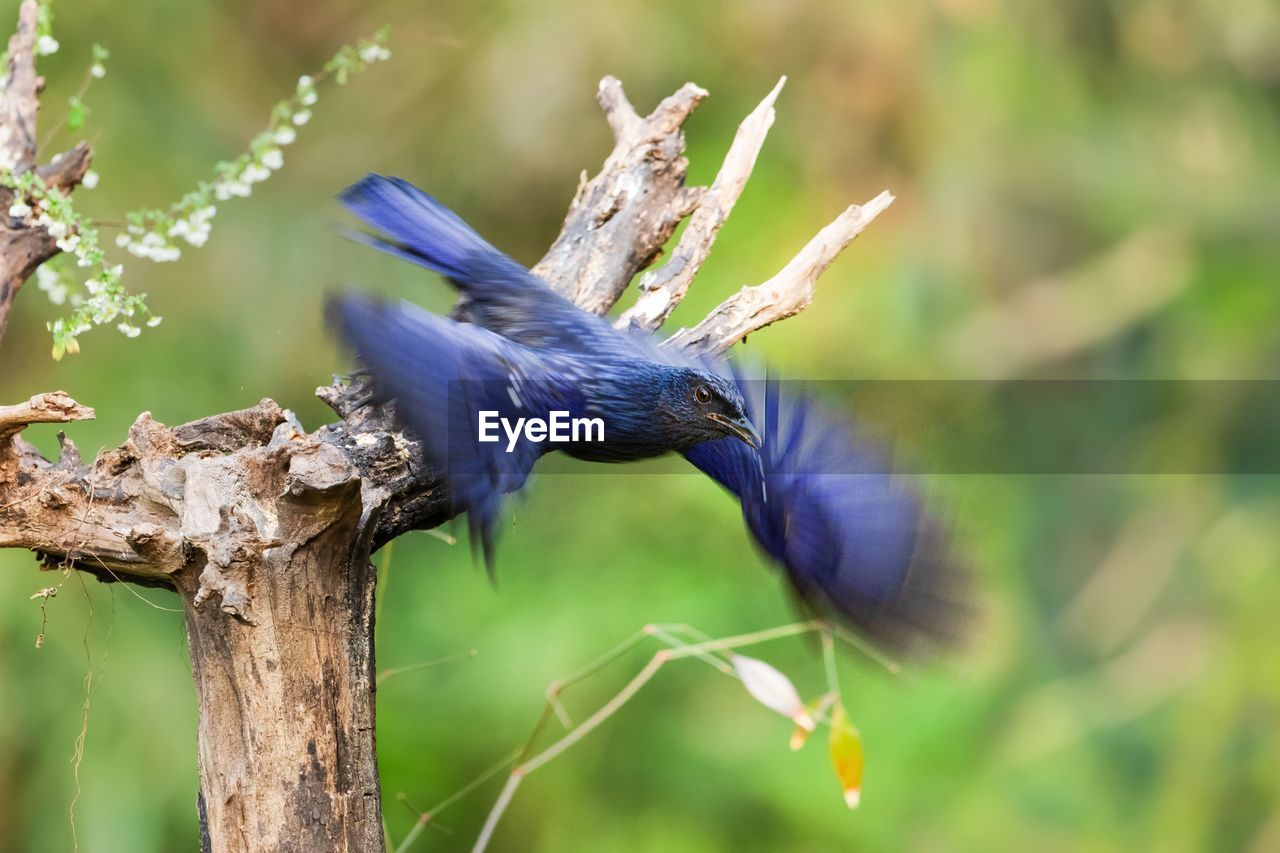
619, 220
265, 530
20, 100
23, 247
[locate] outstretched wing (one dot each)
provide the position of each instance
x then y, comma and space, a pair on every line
442, 376
497, 292
856, 541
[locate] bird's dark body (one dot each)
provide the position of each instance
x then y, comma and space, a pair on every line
854, 540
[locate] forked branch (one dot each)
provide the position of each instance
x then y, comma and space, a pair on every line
787, 293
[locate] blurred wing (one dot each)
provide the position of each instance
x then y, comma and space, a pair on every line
498, 293
441, 375
855, 541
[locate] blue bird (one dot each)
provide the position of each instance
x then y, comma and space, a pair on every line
854, 541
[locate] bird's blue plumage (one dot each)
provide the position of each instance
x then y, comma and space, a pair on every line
441, 374
497, 292
854, 541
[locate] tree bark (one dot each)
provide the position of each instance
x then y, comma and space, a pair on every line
265, 530
286, 733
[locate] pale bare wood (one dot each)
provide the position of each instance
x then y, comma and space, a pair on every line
619, 220
787, 293
662, 289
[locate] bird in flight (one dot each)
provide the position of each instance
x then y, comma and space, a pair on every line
855, 542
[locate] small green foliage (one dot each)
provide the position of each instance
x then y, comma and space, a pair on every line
76, 111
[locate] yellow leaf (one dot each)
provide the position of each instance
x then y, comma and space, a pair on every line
846, 754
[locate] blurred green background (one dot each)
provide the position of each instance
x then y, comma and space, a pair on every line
1084, 189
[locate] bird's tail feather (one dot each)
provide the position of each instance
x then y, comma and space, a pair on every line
420, 228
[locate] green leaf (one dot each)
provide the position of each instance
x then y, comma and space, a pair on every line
76, 111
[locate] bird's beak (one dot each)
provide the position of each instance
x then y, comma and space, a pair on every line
741, 427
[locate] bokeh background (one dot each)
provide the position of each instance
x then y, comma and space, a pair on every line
1084, 189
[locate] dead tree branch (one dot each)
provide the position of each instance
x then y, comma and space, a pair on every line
265, 530
787, 293
619, 220
662, 289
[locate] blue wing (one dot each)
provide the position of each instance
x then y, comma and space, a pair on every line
497, 292
441, 375
854, 540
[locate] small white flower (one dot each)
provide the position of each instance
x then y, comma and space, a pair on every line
197, 238
152, 239
129, 330
272, 158
122, 240
305, 82
52, 284
255, 173
154, 321
98, 70
308, 98
301, 117
180, 228
46, 45
57, 230
69, 243
285, 135
384, 53
19, 210
90, 180
221, 192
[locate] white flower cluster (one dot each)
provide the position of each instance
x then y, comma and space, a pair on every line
64, 229
151, 234
159, 246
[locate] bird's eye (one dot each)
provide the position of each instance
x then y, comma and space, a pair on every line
702, 394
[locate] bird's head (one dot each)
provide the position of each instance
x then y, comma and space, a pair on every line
707, 406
